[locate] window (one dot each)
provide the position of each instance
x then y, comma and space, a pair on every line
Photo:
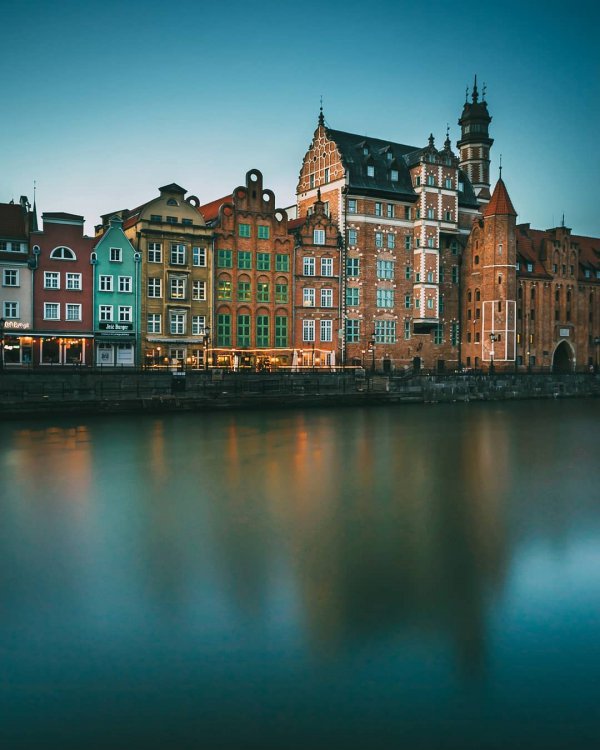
394, 175
407, 329
390, 210
224, 259
52, 280
199, 256
352, 236
530, 268
326, 297
263, 261
244, 259
438, 334
385, 269
244, 291
408, 273
308, 330
223, 289
308, 297
155, 217
154, 323
154, 252
351, 205
454, 247
125, 314
223, 329
430, 180
281, 330
326, 331
418, 180
73, 311
15, 246
326, 174
385, 331
262, 330
244, 230
455, 274
378, 209
115, 254
281, 293
417, 216
407, 301
177, 254
282, 262
352, 267
352, 296
10, 277
417, 277
51, 311
430, 277
262, 291
125, 284
154, 287
105, 313
391, 241
385, 298
63, 253
11, 310
429, 303
500, 249
370, 170
177, 320
199, 291
177, 288
308, 266
171, 220
431, 213
187, 222
243, 330
352, 331
430, 242
442, 274
448, 183
105, 283
319, 236
447, 215
263, 232
378, 239
407, 242
441, 305
198, 325
326, 266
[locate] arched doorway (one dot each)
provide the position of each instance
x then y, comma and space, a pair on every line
562, 361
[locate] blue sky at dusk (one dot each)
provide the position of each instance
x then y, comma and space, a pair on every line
105, 101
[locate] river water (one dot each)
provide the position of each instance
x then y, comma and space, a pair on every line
407, 577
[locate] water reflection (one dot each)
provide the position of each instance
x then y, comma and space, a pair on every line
265, 564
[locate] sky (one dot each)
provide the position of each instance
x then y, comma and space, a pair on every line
103, 102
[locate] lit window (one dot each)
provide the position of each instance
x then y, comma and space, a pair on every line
370, 170
223, 289
244, 292
262, 291
177, 288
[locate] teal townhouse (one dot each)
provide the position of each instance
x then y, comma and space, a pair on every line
116, 266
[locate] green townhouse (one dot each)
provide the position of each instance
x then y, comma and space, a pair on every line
116, 265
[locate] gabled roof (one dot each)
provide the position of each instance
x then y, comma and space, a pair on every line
500, 202
12, 221
532, 247
210, 211
173, 188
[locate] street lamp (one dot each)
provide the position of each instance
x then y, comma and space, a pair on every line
372, 347
493, 338
206, 345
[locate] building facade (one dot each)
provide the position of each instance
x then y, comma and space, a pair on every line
16, 283
252, 283
317, 328
116, 285
62, 292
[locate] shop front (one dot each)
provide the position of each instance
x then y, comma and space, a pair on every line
179, 354
17, 344
115, 345
62, 350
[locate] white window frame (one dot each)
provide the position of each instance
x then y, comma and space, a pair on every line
326, 331
308, 331
51, 306
154, 323
199, 291
199, 256
177, 254
105, 313
73, 281
105, 283
308, 297
154, 285
176, 288
10, 307
326, 266
198, 325
155, 252
318, 237
51, 276
115, 255
308, 266
177, 323
73, 311
125, 284
125, 314
327, 297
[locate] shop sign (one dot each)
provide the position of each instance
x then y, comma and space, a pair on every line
116, 327
16, 325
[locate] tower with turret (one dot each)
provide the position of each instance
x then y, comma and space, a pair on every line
475, 143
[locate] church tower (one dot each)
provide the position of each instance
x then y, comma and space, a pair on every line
475, 142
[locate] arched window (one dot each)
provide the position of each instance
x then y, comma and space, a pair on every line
477, 295
63, 253
469, 296
172, 202
500, 279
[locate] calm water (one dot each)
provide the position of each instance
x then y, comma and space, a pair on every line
412, 577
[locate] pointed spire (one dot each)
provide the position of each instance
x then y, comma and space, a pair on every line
321, 117
500, 202
33, 219
447, 144
467, 95
431, 140
475, 95
500, 168
563, 220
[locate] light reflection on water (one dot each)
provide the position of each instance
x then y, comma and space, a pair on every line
351, 577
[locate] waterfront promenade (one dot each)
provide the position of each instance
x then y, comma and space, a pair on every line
101, 391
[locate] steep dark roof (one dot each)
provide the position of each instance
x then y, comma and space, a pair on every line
12, 221
352, 147
62, 216
173, 188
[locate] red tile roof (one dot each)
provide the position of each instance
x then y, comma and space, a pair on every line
295, 223
12, 221
210, 210
500, 202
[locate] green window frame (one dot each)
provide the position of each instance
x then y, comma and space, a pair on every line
454, 330
263, 232
352, 267
282, 262
224, 259
352, 296
223, 329
244, 230
352, 331
281, 331
263, 261
244, 259
223, 289
244, 292
243, 330
455, 274
262, 330
281, 293
262, 291
438, 334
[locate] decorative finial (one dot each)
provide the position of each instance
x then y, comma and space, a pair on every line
321, 118
500, 167
467, 95
483, 91
563, 220
430, 140
475, 94
447, 143
318, 195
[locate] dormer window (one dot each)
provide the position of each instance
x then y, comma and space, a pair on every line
394, 175
365, 151
389, 156
62, 253
530, 267
370, 170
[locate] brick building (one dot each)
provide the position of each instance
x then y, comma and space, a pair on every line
317, 290
252, 283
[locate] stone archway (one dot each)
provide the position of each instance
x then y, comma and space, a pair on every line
563, 358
